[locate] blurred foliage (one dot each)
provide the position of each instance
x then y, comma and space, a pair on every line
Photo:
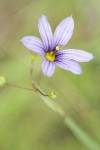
25, 121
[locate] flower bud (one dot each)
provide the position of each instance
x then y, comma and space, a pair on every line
33, 57
3, 81
53, 94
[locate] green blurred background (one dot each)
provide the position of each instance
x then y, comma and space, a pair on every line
26, 123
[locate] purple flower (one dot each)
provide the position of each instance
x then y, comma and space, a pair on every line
51, 47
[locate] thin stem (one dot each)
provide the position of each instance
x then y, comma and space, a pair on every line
35, 87
30, 76
18, 86
39, 77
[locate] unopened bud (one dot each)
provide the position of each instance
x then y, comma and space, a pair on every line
33, 57
53, 94
3, 81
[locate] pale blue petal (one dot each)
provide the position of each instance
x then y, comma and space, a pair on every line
48, 67
78, 55
34, 44
69, 65
64, 32
45, 32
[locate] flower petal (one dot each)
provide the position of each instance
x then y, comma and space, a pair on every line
78, 55
69, 65
64, 32
48, 67
34, 44
45, 32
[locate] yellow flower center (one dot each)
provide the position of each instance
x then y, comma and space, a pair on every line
51, 55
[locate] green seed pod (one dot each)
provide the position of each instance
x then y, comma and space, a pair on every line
3, 81
53, 94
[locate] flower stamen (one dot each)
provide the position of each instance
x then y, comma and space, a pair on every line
57, 48
51, 56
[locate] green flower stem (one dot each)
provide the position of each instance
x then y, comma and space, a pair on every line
79, 133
